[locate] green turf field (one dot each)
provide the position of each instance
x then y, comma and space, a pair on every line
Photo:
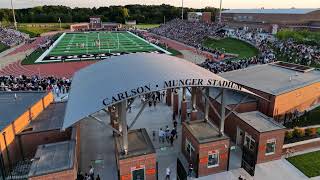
234, 46
308, 163
110, 42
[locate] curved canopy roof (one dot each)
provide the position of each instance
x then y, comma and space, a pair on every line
119, 78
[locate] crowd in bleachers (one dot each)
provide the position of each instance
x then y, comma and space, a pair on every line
11, 37
298, 53
34, 83
190, 33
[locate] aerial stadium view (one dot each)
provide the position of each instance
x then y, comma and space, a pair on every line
159, 90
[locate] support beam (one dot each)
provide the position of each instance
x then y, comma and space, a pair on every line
206, 105
233, 109
223, 111
122, 109
211, 105
194, 97
138, 115
103, 123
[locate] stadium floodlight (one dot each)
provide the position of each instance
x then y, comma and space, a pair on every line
14, 16
182, 10
220, 13
59, 20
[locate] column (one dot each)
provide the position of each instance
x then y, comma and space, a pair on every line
175, 102
168, 97
122, 109
223, 111
194, 102
183, 107
206, 105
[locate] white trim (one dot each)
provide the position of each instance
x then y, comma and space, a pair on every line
39, 60
144, 171
300, 143
275, 143
157, 47
218, 157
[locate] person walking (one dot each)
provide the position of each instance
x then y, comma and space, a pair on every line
168, 172
190, 170
91, 172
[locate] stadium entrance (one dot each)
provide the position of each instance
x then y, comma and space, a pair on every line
145, 150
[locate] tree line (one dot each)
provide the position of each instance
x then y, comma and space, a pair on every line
144, 14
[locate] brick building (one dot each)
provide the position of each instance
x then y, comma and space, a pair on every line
203, 146
270, 20
200, 17
286, 88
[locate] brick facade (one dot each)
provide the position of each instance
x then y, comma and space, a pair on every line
148, 162
199, 158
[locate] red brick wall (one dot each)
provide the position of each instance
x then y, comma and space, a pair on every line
202, 151
148, 161
279, 136
223, 148
63, 175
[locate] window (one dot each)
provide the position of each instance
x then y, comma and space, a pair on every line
271, 147
189, 148
213, 159
249, 142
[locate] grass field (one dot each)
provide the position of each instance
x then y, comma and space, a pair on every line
308, 163
3, 47
110, 42
231, 45
147, 26
36, 29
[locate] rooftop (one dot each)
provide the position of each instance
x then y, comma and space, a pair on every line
204, 132
11, 108
49, 119
51, 158
272, 79
139, 144
259, 121
270, 11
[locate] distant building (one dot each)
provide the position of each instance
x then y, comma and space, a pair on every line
79, 27
199, 17
95, 23
270, 20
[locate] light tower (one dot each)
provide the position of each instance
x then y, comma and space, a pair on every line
182, 10
14, 16
220, 13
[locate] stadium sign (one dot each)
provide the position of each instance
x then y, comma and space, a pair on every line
170, 84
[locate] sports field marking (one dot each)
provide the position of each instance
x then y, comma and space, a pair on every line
73, 46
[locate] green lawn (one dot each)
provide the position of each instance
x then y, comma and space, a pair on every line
147, 26
32, 57
36, 29
308, 163
231, 45
171, 50
3, 47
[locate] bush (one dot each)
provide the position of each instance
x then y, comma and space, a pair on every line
298, 133
289, 135
310, 131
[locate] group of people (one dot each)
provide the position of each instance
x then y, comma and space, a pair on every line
167, 135
35, 83
190, 33
298, 53
11, 37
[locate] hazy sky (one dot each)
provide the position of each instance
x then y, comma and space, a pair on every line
189, 3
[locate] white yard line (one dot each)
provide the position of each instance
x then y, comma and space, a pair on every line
39, 60
167, 52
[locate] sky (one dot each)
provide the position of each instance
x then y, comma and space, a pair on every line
230, 4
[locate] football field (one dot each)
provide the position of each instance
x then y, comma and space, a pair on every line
96, 45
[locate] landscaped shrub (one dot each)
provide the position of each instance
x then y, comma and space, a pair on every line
298, 133
288, 135
310, 131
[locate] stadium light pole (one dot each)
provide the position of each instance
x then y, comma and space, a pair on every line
14, 16
182, 10
220, 13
